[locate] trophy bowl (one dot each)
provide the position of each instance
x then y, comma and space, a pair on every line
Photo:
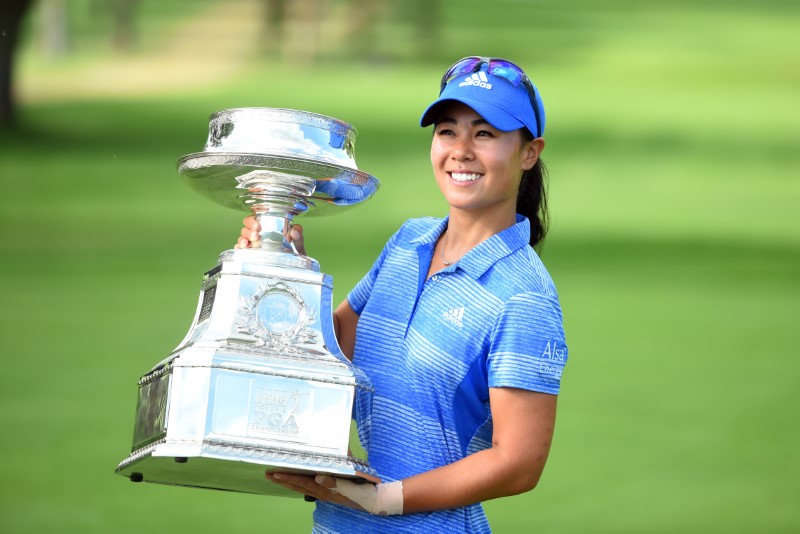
251, 153
259, 382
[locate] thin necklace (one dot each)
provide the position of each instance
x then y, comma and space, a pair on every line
441, 253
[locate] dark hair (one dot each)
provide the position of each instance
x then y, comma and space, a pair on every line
532, 198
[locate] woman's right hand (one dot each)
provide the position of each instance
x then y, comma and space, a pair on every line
249, 236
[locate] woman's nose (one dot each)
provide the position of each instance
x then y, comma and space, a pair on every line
461, 150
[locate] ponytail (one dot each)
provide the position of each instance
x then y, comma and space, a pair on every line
532, 198
532, 202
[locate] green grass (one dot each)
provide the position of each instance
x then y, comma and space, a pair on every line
674, 192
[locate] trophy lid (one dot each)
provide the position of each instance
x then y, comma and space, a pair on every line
278, 161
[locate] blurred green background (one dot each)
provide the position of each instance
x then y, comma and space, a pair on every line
672, 144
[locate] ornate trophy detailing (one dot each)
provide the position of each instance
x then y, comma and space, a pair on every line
211, 277
193, 162
270, 191
287, 455
277, 317
267, 454
259, 382
215, 176
156, 373
287, 133
251, 256
222, 122
151, 410
269, 372
208, 302
259, 353
141, 453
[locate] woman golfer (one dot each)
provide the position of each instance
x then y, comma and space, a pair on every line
457, 325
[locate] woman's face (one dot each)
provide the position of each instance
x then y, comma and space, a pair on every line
477, 167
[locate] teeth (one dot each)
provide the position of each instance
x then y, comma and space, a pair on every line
463, 177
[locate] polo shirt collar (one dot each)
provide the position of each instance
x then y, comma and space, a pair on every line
478, 260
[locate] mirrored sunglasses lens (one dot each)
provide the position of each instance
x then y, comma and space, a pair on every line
465, 66
507, 70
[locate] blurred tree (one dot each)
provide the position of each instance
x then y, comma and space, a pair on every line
292, 29
124, 17
54, 33
11, 14
302, 31
427, 22
362, 26
305, 17
274, 19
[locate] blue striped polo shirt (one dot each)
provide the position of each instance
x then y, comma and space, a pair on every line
433, 348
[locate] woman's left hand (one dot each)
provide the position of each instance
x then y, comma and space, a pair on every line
320, 487
364, 495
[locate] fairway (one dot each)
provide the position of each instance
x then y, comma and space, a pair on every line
675, 247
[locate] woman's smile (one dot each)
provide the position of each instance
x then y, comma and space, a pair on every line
465, 177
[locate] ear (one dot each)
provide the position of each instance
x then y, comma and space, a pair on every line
530, 153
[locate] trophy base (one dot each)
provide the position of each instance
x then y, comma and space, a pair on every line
259, 384
230, 467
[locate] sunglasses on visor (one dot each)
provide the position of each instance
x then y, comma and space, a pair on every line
497, 67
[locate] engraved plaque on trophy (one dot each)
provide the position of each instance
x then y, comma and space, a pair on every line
259, 383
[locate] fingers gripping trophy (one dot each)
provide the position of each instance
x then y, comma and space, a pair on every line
259, 383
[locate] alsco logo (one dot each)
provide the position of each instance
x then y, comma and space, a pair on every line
479, 79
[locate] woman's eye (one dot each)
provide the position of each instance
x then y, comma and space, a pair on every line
444, 131
484, 133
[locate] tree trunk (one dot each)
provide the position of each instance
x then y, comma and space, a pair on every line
125, 24
11, 14
426, 24
274, 27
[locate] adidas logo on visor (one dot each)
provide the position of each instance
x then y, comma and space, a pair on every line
479, 79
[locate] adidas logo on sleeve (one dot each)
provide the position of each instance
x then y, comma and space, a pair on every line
478, 79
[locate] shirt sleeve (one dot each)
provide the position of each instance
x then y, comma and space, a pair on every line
528, 349
359, 295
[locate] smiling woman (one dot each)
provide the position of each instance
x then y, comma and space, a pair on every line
457, 324
508, 109
478, 169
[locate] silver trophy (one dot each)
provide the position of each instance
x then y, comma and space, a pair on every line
259, 383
